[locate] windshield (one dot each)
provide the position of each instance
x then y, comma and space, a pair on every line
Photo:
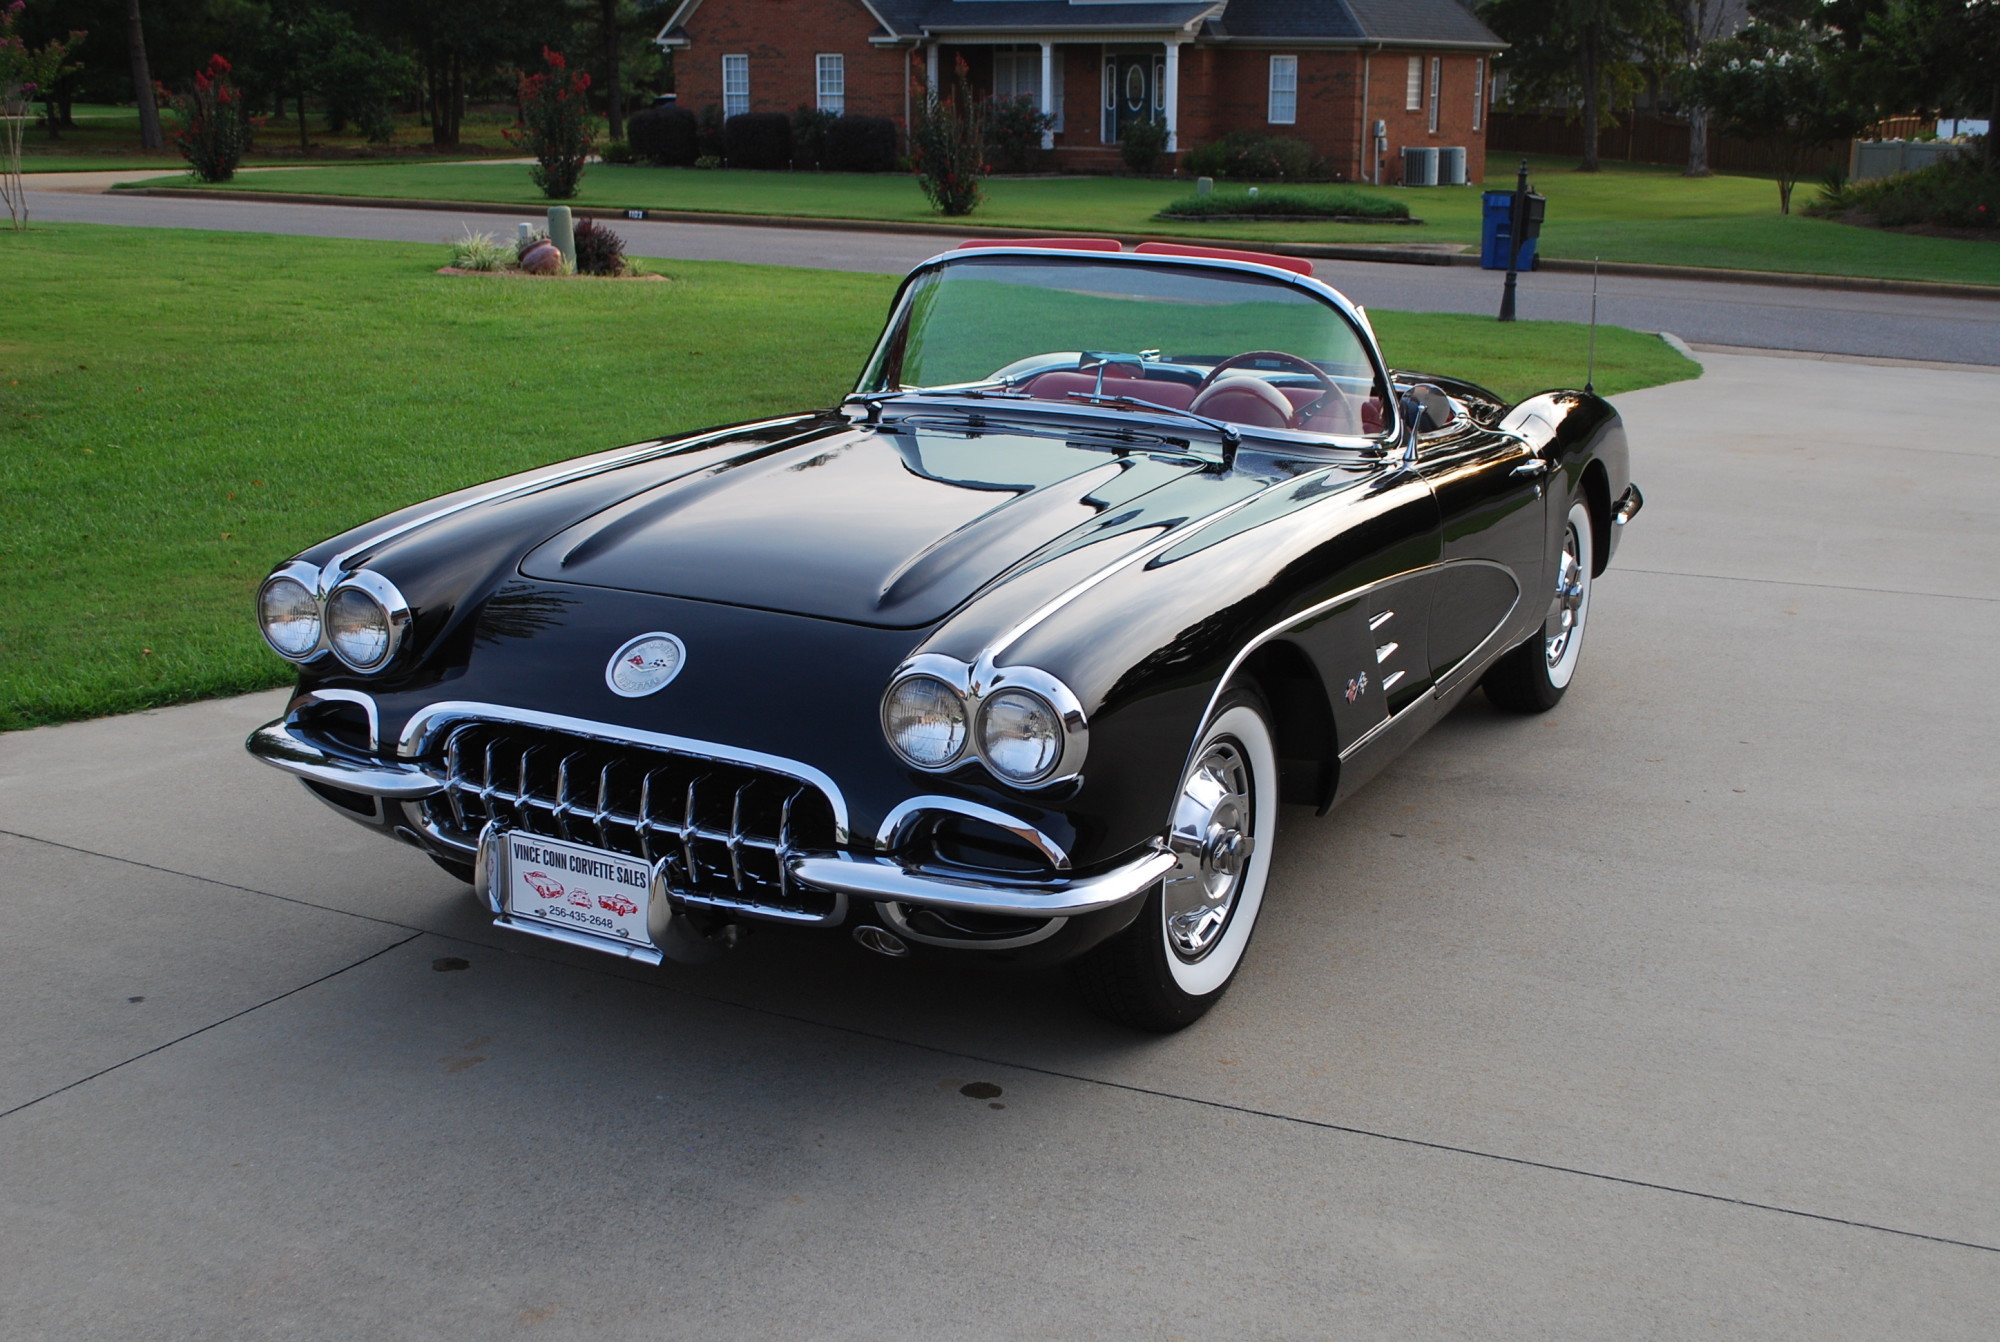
1243, 348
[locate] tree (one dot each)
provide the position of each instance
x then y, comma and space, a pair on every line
24, 72
142, 79
1702, 22
1591, 54
1936, 56
1779, 83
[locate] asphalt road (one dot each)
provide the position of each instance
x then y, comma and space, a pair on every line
1951, 330
1672, 1014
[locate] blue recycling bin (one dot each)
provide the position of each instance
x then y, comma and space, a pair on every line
1495, 222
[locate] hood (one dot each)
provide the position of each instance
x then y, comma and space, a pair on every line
893, 529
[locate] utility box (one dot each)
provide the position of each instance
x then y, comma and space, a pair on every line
1420, 166
1451, 165
1496, 231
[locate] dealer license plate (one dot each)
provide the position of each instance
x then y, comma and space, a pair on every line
583, 889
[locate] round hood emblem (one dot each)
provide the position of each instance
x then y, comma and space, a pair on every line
645, 664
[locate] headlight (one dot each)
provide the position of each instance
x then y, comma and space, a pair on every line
365, 618
288, 613
924, 719
1020, 736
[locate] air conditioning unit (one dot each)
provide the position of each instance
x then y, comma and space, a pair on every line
1420, 167
1451, 165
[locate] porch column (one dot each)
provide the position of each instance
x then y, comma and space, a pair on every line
1048, 89
1171, 99
930, 67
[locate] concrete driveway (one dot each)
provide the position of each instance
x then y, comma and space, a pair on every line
1673, 1014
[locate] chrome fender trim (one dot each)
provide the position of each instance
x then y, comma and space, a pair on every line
276, 744
878, 880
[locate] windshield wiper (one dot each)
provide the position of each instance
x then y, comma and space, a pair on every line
1231, 438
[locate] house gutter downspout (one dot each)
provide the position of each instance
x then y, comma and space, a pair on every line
1365, 149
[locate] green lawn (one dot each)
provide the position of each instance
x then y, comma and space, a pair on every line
181, 410
106, 138
1625, 213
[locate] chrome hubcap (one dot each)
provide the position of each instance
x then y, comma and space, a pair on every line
1211, 836
1566, 610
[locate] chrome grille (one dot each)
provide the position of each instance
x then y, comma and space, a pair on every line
725, 831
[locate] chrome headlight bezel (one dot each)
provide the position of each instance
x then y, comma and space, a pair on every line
395, 615
907, 677
306, 576
975, 687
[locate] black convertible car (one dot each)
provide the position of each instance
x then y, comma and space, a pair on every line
1012, 654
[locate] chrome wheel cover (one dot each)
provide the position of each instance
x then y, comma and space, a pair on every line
1565, 620
1214, 817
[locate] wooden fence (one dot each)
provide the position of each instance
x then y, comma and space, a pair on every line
1650, 137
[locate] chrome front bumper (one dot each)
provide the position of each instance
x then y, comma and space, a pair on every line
878, 879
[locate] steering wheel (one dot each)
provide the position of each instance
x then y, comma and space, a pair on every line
1306, 411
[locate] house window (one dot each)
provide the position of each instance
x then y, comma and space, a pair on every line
735, 85
1435, 72
1413, 88
832, 83
1478, 93
1284, 106
1017, 73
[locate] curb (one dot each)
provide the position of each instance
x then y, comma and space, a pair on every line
1385, 253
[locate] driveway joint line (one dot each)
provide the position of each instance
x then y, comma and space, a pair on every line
1817, 586
613, 971
210, 880
214, 1024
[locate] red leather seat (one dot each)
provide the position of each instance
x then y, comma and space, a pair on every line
1058, 385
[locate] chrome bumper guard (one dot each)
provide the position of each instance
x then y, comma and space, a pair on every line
1628, 506
886, 881
278, 745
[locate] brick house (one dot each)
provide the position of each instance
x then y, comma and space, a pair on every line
1326, 71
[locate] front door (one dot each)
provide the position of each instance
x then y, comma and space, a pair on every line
1131, 91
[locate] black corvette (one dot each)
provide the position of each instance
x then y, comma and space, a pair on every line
1012, 654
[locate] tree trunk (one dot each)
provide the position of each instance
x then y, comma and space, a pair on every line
1589, 72
299, 97
1697, 142
142, 79
613, 92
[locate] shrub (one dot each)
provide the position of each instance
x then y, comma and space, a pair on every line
1330, 204
708, 161
1014, 130
361, 80
1246, 155
948, 145
861, 144
481, 251
1144, 142
708, 133
556, 125
663, 135
1959, 192
617, 151
757, 140
809, 127
214, 133
599, 251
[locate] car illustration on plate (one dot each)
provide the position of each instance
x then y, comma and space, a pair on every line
544, 885
617, 904
1012, 654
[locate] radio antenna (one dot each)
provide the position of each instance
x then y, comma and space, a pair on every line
1590, 370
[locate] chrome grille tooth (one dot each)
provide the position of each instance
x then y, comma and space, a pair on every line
645, 825
736, 836
603, 803
784, 849
454, 773
689, 831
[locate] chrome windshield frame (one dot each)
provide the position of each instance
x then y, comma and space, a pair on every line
1392, 427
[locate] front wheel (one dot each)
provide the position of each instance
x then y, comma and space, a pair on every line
1532, 677
1179, 956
